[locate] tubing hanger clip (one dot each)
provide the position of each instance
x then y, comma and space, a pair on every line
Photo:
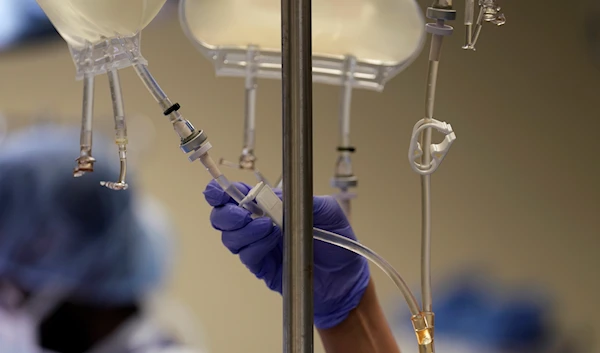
438, 151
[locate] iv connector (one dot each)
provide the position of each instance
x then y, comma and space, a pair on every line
344, 182
433, 13
439, 29
247, 160
442, 4
344, 177
114, 185
184, 129
424, 324
110, 54
267, 200
492, 12
85, 164
194, 141
204, 148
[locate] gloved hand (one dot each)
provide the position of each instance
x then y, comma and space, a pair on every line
340, 276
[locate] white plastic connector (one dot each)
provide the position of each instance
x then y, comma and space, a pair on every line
437, 151
268, 202
206, 146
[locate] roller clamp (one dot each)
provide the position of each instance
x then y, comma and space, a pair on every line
437, 151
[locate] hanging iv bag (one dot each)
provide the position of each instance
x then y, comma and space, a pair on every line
89, 21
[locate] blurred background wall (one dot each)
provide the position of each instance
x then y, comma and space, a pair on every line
518, 193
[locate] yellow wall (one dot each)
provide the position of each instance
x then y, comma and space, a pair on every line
518, 193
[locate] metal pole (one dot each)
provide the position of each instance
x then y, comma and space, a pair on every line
297, 176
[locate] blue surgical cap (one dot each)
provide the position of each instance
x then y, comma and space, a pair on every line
470, 310
103, 247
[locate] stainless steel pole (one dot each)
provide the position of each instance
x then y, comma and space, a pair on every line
296, 52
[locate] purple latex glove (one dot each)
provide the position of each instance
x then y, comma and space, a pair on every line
340, 276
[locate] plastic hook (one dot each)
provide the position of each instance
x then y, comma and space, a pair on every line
438, 151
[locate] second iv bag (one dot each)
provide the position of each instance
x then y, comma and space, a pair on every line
380, 30
89, 21
380, 33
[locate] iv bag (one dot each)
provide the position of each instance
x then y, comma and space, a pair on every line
379, 33
89, 21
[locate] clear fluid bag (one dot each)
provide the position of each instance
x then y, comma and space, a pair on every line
384, 36
89, 21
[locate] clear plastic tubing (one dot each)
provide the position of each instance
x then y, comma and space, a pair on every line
320, 234
358, 248
228, 187
469, 12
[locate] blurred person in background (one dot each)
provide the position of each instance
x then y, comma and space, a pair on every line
477, 313
77, 261
23, 22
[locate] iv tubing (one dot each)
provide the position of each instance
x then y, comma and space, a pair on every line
344, 126
238, 196
250, 104
179, 124
120, 126
434, 57
469, 12
345, 113
87, 117
469, 18
345, 132
85, 162
345, 204
358, 248
478, 27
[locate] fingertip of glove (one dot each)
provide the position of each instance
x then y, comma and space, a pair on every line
263, 223
254, 231
327, 211
214, 194
243, 187
229, 217
326, 202
322, 201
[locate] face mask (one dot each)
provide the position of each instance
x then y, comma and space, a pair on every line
20, 318
18, 334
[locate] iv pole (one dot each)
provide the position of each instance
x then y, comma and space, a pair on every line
296, 70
